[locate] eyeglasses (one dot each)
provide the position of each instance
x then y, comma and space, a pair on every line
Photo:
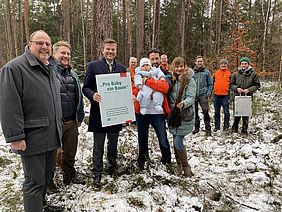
41, 43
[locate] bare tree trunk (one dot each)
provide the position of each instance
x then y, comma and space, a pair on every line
10, 44
265, 17
129, 38
210, 39
124, 31
102, 24
26, 20
21, 31
182, 27
140, 28
83, 35
66, 5
280, 66
218, 37
150, 28
157, 24
15, 28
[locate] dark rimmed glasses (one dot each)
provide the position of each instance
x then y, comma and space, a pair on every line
41, 43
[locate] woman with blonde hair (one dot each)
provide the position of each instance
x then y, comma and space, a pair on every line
181, 120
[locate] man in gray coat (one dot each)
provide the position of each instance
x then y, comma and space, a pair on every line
31, 115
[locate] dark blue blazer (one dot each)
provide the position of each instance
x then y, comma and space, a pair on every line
90, 87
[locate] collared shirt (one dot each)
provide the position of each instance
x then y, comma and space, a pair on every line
110, 65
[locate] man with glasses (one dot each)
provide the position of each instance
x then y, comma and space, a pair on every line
31, 116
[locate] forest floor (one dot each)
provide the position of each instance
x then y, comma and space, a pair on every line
232, 173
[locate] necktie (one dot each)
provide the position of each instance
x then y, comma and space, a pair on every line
110, 67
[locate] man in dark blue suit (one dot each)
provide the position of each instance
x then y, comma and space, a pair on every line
105, 65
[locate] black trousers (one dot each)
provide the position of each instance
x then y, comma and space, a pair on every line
98, 151
38, 170
245, 123
204, 102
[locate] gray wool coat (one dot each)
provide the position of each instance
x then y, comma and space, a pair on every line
30, 104
188, 98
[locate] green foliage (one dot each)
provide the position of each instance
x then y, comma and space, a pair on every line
11, 201
4, 162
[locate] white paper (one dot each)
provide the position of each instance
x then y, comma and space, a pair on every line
116, 104
243, 106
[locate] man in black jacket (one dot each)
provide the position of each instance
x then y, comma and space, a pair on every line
105, 65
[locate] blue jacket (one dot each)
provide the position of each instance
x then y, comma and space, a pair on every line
90, 87
80, 105
203, 81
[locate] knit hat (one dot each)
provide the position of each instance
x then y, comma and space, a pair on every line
223, 61
245, 59
144, 61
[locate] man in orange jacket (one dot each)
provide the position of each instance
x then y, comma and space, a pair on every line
221, 79
154, 118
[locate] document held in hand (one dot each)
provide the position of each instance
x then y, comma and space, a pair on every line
116, 106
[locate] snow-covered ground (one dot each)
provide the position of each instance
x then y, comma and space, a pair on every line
232, 173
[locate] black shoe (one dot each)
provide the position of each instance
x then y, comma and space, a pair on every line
75, 180
234, 130
141, 165
216, 129
67, 180
244, 132
112, 171
165, 162
208, 132
52, 188
195, 131
52, 208
97, 181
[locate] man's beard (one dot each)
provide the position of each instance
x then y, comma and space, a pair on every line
155, 65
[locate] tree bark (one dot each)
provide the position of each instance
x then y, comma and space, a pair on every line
129, 38
26, 8
124, 31
140, 28
10, 43
182, 27
218, 34
102, 24
21, 30
66, 5
265, 18
157, 24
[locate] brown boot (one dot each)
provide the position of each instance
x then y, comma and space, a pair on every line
178, 161
185, 164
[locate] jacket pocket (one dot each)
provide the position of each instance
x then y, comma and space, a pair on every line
36, 122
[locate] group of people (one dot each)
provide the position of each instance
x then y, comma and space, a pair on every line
41, 108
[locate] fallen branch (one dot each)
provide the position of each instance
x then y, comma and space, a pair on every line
228, 196
276, 139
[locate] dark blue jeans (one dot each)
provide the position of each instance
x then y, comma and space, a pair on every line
221, 101
158, 123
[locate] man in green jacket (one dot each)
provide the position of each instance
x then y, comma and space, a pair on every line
244, 82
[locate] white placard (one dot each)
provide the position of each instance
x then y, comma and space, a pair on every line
116, 106
243, 106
